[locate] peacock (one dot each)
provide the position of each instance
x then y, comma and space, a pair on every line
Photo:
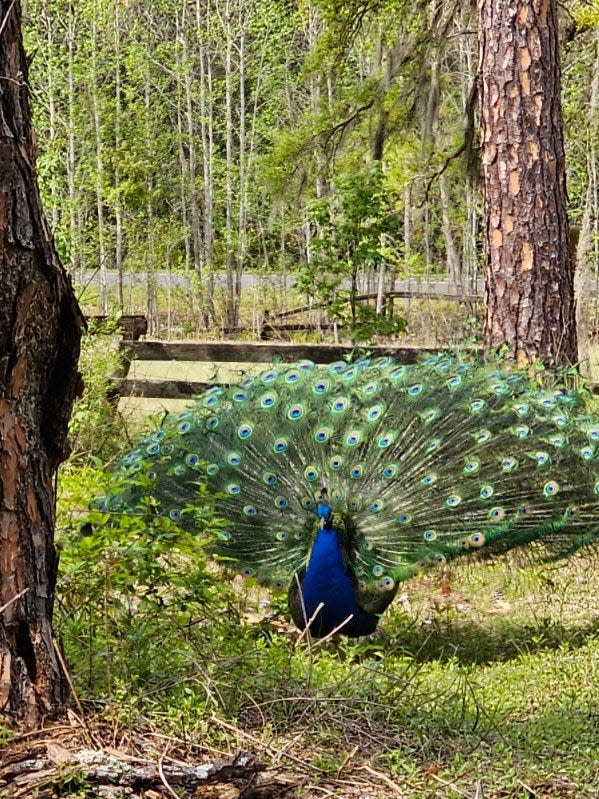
338, 482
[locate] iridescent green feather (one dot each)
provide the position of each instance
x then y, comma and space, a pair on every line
421, 463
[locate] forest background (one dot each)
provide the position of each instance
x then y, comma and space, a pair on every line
331, 142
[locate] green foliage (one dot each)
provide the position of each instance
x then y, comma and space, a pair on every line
352, 228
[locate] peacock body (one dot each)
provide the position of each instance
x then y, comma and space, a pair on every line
339, 482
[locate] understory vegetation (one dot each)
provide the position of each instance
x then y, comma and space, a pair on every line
483, 678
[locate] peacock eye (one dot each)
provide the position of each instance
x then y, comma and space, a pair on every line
212, 469
268, 400
322, 434
350, 374
311, 473
269, 478
306, 502
471, 467
357, 471
476, 540
306, 365
245, 430
336, 462
185, 427
440, 558
486, 491
211, 401
383, 362
191, 459
385, 441
377, 570
233, 458
429, 535
454, 382
521, 431
415, 390
404, 518
482, 436
280, 445
336, 495
497, 514
374, 413
390, 471
551, 488
233, 489
377, 505
542, 458
337, 367
175, 514
158, 435
508, 464
453, 500
281, 502
370, 388
429, 479
153, 449
587, 453
269, 377
476, 406
386, 584
240, 396
354, 504
282, 535
211, 423
399, 373
292, 376
295, 412
248, 571
572, 512
249, 510
340, 405
321, 387
353, 438
224, 535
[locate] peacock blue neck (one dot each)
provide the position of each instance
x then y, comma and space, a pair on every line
328, 581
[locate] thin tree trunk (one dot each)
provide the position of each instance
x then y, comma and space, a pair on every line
99, 182
207, 136
74, 256
118, 206
529, 289
40, 328
229, 243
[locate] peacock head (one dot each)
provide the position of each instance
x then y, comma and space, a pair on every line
324, 511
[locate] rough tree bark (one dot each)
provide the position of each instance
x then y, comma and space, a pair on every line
529, 294
40, 328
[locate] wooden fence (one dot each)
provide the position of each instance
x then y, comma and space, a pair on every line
230, 352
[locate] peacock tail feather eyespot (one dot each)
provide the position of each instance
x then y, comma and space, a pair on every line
247, 381
224, 535
429, 535
596, 487
524, 510
377, 570
354, 437
307, 503
356, 471
550, 488
192, 459
476, 540
269, 478
247, 571
269, 376
212, 469
336, 462
472, 466
354, 504
233, 458
522, 409
390, 471
522, 431
542, 458
362, 587
322, 386
340, 405
429, 415
295, 411
249, 510
398, 374
486, 491
560, 420
429, 479
497, 514
211, 401
212, 422
477, 406
305, 365
280, 445
386, 584
350, 374
557, 440
454, 382
433, 445
453, 500
482, 436
587, 453
158, 435
508, 464
386, 440
281, 502
500, 388
337, 367
185, 427
177, 471
404, 518
268, 400
245, 430
311, 473
323, 434
174, 514
362, 363
593, 433
382, 362
370, 388
167, 449
153, 449
374, 413
439, 558
233, 489
292, 377
279, 585
377, 505
336, 495
571, 512
239, 395
282, 535
415, 390
421, 564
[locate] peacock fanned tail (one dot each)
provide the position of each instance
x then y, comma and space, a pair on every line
420, 463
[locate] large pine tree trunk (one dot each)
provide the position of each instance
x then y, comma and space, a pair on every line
40, 327
530, 301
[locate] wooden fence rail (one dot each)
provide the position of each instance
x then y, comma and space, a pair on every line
232, 352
